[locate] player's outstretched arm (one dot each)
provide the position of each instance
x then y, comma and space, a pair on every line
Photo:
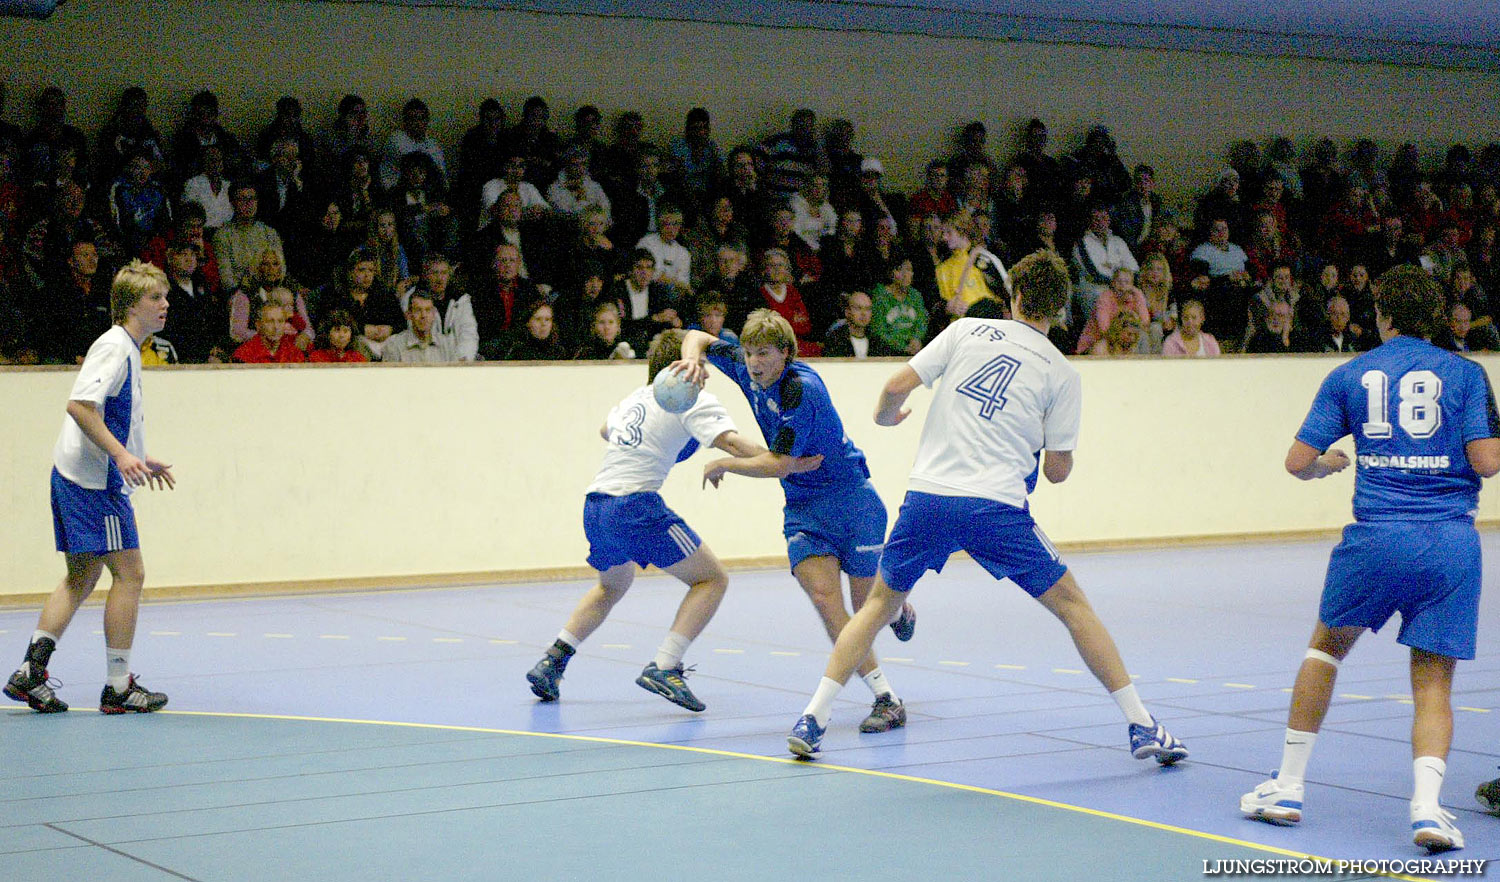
1308, 463
763, 465
692, 365
1484, 456
888, 410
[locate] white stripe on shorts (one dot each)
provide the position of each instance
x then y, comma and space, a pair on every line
112, 539
1046, 543
683, 540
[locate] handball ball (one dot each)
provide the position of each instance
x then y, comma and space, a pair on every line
672, 392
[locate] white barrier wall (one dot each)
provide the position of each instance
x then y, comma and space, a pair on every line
313, 473
908, 95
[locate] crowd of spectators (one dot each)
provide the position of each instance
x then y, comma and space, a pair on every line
529, 244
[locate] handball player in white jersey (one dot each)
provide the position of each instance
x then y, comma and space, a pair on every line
1007, 396
100, 458
628, 524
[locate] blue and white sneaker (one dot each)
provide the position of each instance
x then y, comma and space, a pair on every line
906, 623
1432, 828
805, 737
1155, 741
1274, 802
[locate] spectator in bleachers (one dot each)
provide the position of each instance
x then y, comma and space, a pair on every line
1444, 252
1155, 282
618, 163
1457, 171
454, 308
1361, 299
780, 233
509, 224
267, 276
873, 202
674, 263
1224, 258
604, 335
1283, 287
481, 158
49, 241
1272, 201
1276, 335
1097, 257
1135, 214
11, 197
1484, 255
813, 216
1311, 315
499, 298
512, 176
200, 130
1044, 173
1121, 296
696, 162
1245, 158
537, 339
927, 253
1464, 288
412, 137
849, 264
588, 123
850, 336
1459, 335
42, 145
637, 204
650, 306
1322, 182
732, 278
885, 247
209, 189
129, 133
781, 296
317, 248
711, 311
538, 144
844, 164
958, 236
1190, 340
272, 343
1265, 248
423, 341
240, 243
350, 133
972, 150
1364, 166
573, 309
751, 204
574, 190
898, 315
423, 216
591, 249
335, 340
794, 155
1075, 212
281, 192
1122, 338
287, 126
1099, 160
1224, 202
1334, 335
392, 268
138, 204
974, 194
197, 309
1015, 211
375, 310
934, 197
716, 226
1405, 173
188, 227
1349, 223
67, 312
1390, 248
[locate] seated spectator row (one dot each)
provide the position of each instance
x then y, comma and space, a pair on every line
534, 246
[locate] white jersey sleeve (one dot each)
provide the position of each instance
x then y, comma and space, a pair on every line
1060, 424
932, 361
707, 419
646, 441
110, 379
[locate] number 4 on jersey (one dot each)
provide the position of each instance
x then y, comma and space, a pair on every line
987, 385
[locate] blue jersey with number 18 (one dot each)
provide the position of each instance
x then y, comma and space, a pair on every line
1007, 394
1411, 408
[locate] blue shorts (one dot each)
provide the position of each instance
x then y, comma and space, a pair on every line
1428, 571
88, 521
1002, 538
639, 528
846, 523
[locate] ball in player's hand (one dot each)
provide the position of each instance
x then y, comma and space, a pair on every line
674, 393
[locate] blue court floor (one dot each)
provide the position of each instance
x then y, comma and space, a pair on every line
391, 735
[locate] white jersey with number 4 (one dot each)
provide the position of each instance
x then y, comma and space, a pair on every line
1007, 393
646, 441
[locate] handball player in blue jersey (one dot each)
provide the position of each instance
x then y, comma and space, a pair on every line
628, 524
99, 460
1425, 432
834, 521
1007, 394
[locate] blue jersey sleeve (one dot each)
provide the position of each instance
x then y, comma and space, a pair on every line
1481, 419
1327, 421
730, 359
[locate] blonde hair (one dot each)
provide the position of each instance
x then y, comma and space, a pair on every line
1166, 269
1040, 281
1124, 320
766, 327
137, 280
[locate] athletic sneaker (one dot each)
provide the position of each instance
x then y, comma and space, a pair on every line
136, 699
1432, 828
35, 691
806, 736
544, 678
670, 684
1488, 795
1274, 802
1156, 741
885, 714
906, 623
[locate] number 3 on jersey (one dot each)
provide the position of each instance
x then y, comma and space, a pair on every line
1419, 414
987, 385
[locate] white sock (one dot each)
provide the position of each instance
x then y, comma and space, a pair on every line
567, 638
1428, 771
1295, 753
118, 664
669, 655
1130, 703
879, 685
821, 706
39, 634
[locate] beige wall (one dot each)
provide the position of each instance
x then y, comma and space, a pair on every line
302, 474
907, 94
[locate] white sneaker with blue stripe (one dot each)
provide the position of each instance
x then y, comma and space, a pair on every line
1432, 828
1274, 802
1155, 741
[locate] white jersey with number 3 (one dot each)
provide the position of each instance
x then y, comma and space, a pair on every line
1007, 393
646, 441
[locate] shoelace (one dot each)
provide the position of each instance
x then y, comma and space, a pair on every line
677, 677
47, 689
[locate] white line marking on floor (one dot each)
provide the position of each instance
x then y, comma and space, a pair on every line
447, 640
222, 634
392, 639
1286, 689
278, 636
615, 646
1239, 685
955, 664
1406, 701
896, 660
1010, 667
504, 642
333, 636
1395, 697
785, 654
166, 633
1354, 697
1474, 710
98, 632
1180, 680
1066, 671
730, 651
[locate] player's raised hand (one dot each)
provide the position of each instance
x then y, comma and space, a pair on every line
161, 475
695, 372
